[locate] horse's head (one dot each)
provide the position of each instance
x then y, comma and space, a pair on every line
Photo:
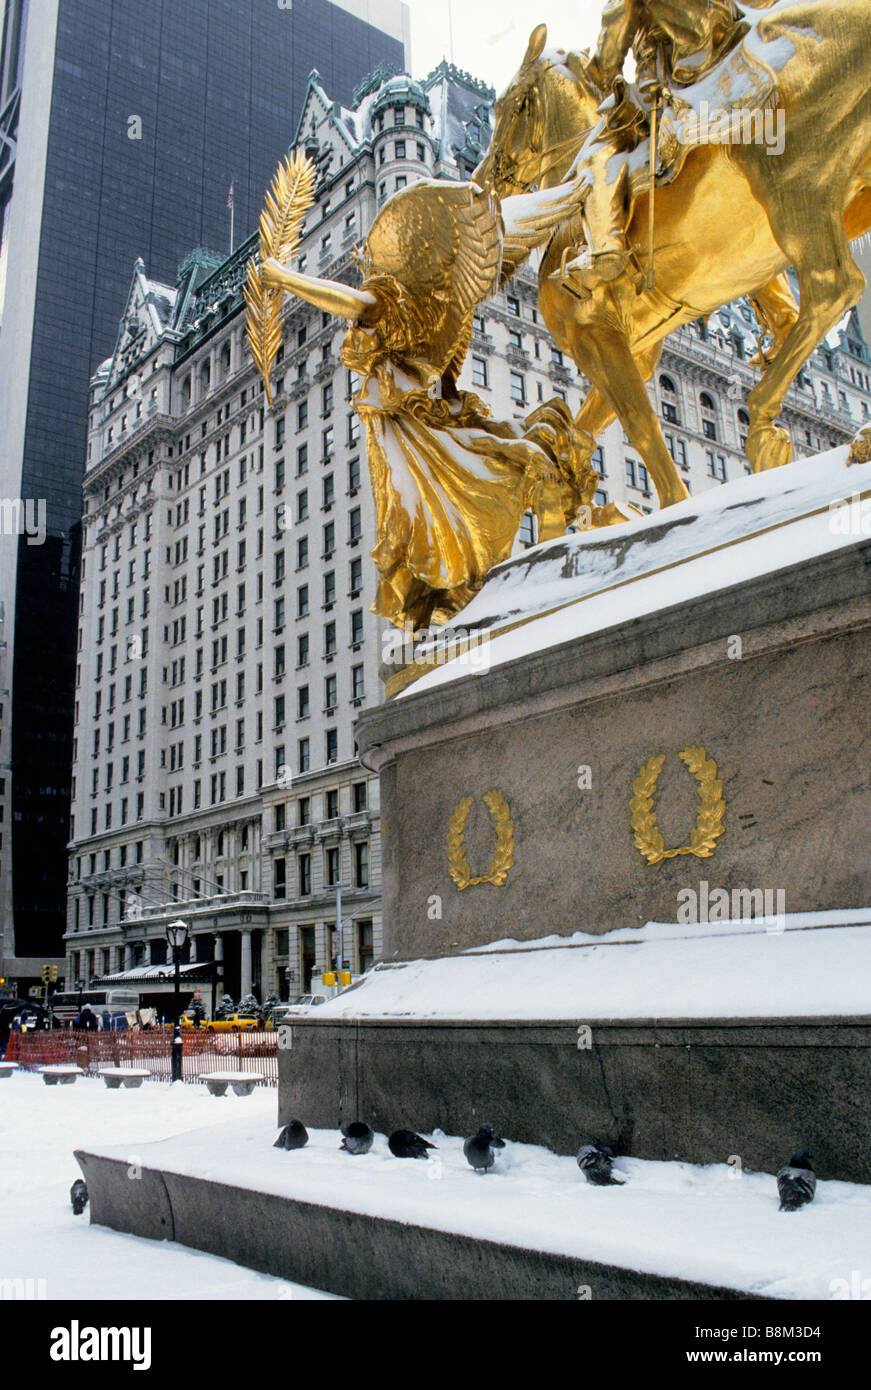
540, 119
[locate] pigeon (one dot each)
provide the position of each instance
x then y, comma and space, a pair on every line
293, 1136
796, 1182
78, 1197
404, 1143
479, 1149
594, 1161
358, 1138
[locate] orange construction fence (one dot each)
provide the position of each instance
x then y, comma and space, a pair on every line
148, 1049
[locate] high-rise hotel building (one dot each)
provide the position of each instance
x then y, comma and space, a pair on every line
123, 127
225, 639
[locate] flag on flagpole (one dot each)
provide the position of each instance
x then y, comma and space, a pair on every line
230, 197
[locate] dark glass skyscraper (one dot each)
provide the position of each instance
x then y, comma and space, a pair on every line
123, 126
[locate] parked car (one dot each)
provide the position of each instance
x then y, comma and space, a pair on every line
234, 1023
29, 1019
302, 1004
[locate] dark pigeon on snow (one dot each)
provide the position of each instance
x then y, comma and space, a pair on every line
479, 1149
404, 1143
796, 1182
594, 1161
293, 1136
78, 1197
358, 1138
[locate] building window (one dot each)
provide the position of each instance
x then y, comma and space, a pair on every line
279, 878
360, 797
636, 476
332, 745
709, 416
716, 466
332, 857
361, 864
518, 388
304, 875
303, 755
479, 371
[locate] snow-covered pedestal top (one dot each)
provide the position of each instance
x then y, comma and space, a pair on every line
588, 582
814, 964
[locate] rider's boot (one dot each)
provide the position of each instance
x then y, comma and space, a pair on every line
593, 268
604, 257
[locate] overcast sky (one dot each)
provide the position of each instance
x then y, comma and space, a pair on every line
488, 37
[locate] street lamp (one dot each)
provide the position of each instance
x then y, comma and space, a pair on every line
177, 935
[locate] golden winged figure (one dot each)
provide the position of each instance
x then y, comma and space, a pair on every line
450, 484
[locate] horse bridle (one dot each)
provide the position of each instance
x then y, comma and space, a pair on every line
548, 157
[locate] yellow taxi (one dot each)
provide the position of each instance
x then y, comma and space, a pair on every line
233, 1023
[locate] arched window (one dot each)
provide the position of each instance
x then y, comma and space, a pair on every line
669, 399
743, 427
709, 416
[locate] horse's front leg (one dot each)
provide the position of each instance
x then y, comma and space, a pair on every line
618, 389
594, 417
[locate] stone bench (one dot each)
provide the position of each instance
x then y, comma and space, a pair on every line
64, 1074
7, 1068
243, 1082
131, 1077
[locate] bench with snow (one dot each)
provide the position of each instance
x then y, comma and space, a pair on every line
7, 1068
243, 1082
65, 1073
132, 1077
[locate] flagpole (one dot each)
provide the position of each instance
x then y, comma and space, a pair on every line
232, 202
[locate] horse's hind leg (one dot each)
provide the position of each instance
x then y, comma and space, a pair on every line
830, 283
618, 380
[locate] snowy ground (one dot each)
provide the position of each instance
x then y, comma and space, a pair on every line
700, 1223
41, 1125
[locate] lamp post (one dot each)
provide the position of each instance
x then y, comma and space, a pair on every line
177, 935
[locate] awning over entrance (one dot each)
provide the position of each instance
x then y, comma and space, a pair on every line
200, 973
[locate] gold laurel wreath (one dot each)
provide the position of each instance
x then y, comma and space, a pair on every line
287, 202
503, 854
712, 808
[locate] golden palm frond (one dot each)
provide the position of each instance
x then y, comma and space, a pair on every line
287, 202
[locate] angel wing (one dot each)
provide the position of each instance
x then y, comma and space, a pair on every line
443, 243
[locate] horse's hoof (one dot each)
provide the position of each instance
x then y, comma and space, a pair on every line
768, 446
860, 449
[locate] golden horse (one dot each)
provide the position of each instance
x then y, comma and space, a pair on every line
733, 219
